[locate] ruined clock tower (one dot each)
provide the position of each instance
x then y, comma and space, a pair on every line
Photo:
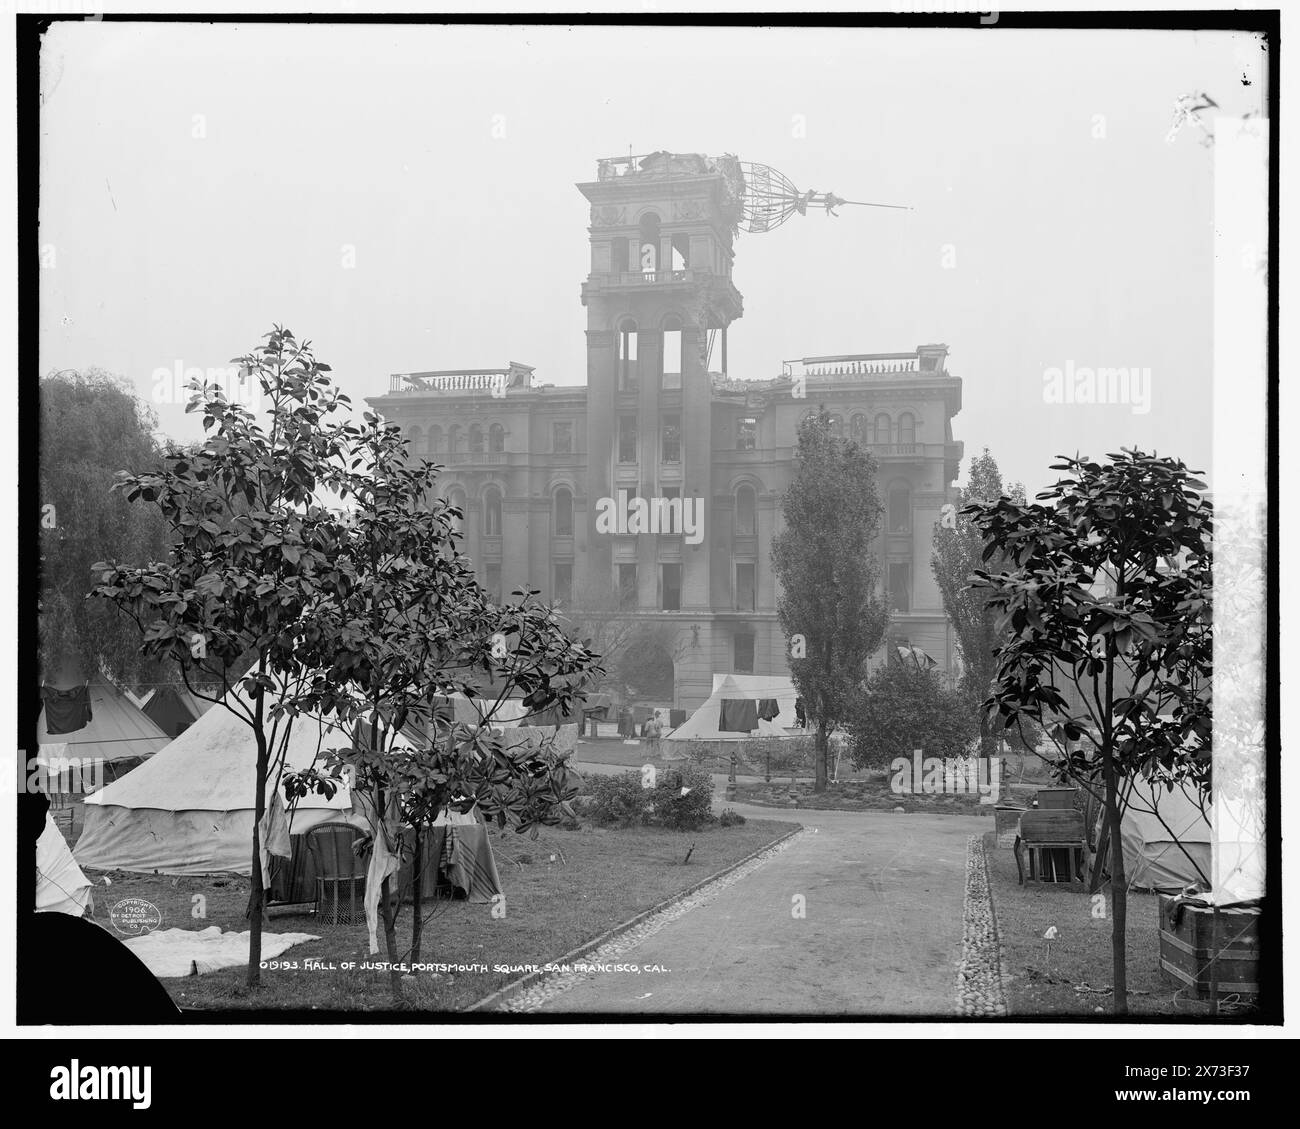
659, 299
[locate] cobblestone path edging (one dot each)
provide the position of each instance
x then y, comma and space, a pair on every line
979, 977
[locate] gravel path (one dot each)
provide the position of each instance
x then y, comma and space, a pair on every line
859, 915
549, 987
979, 979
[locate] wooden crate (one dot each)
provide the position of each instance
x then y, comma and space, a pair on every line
1188, 950
1054, 798
1006, 822
1052, 825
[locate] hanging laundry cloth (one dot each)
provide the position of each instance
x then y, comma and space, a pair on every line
768, 708
739, 715
66, 711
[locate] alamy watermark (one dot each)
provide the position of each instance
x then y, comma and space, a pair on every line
1083, 385
52, 773
684, 516
174, 385
946, 776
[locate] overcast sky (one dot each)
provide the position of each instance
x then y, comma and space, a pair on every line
201, 182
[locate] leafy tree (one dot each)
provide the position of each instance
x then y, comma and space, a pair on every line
958, 549
411, 626
252, 561
830, 608
324, 614
1104, 596
906, 707
92, 425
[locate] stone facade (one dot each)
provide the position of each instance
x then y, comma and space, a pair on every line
538, 469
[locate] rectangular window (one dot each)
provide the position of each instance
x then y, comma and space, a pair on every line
746, 433
900, 509
673, 356
492, 581
900, 585
670, 442
627, 586
627, 361
562, 438
563, 584
745, 588
627, 439
670, 587
744, 654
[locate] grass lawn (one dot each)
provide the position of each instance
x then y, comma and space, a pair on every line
1039, 982
598, 880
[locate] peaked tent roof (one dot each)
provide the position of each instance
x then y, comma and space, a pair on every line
118, 730
212, 766
189, 810
702, 725
172, 707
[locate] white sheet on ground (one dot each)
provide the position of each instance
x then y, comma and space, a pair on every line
179, 952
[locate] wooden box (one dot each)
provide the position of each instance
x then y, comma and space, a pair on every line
1006, 822
1051, 825
1054, 798
1188, 949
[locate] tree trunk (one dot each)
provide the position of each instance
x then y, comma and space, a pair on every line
1118, 890
390, 937
819, 760
988, 738
417, 896
257, 896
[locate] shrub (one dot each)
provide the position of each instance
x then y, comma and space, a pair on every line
790, 755
689, 812
698, 752
905, 708
618, 800
730, 818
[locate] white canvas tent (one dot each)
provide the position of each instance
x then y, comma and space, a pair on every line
118, 731
1153, 859
702, 725
60, 885
189, 808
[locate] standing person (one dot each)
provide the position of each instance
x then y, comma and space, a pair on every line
652, 732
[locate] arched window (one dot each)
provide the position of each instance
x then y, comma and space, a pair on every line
745, 506
881, 429
837, 427
492, 512
455, 443
476, 440
625, 355
496, 439
906, 428
900, 507
434, 441
564, 512
414, 441
648, 260
858, 428
456, 499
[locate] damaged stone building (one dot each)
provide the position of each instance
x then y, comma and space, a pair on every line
556, 482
